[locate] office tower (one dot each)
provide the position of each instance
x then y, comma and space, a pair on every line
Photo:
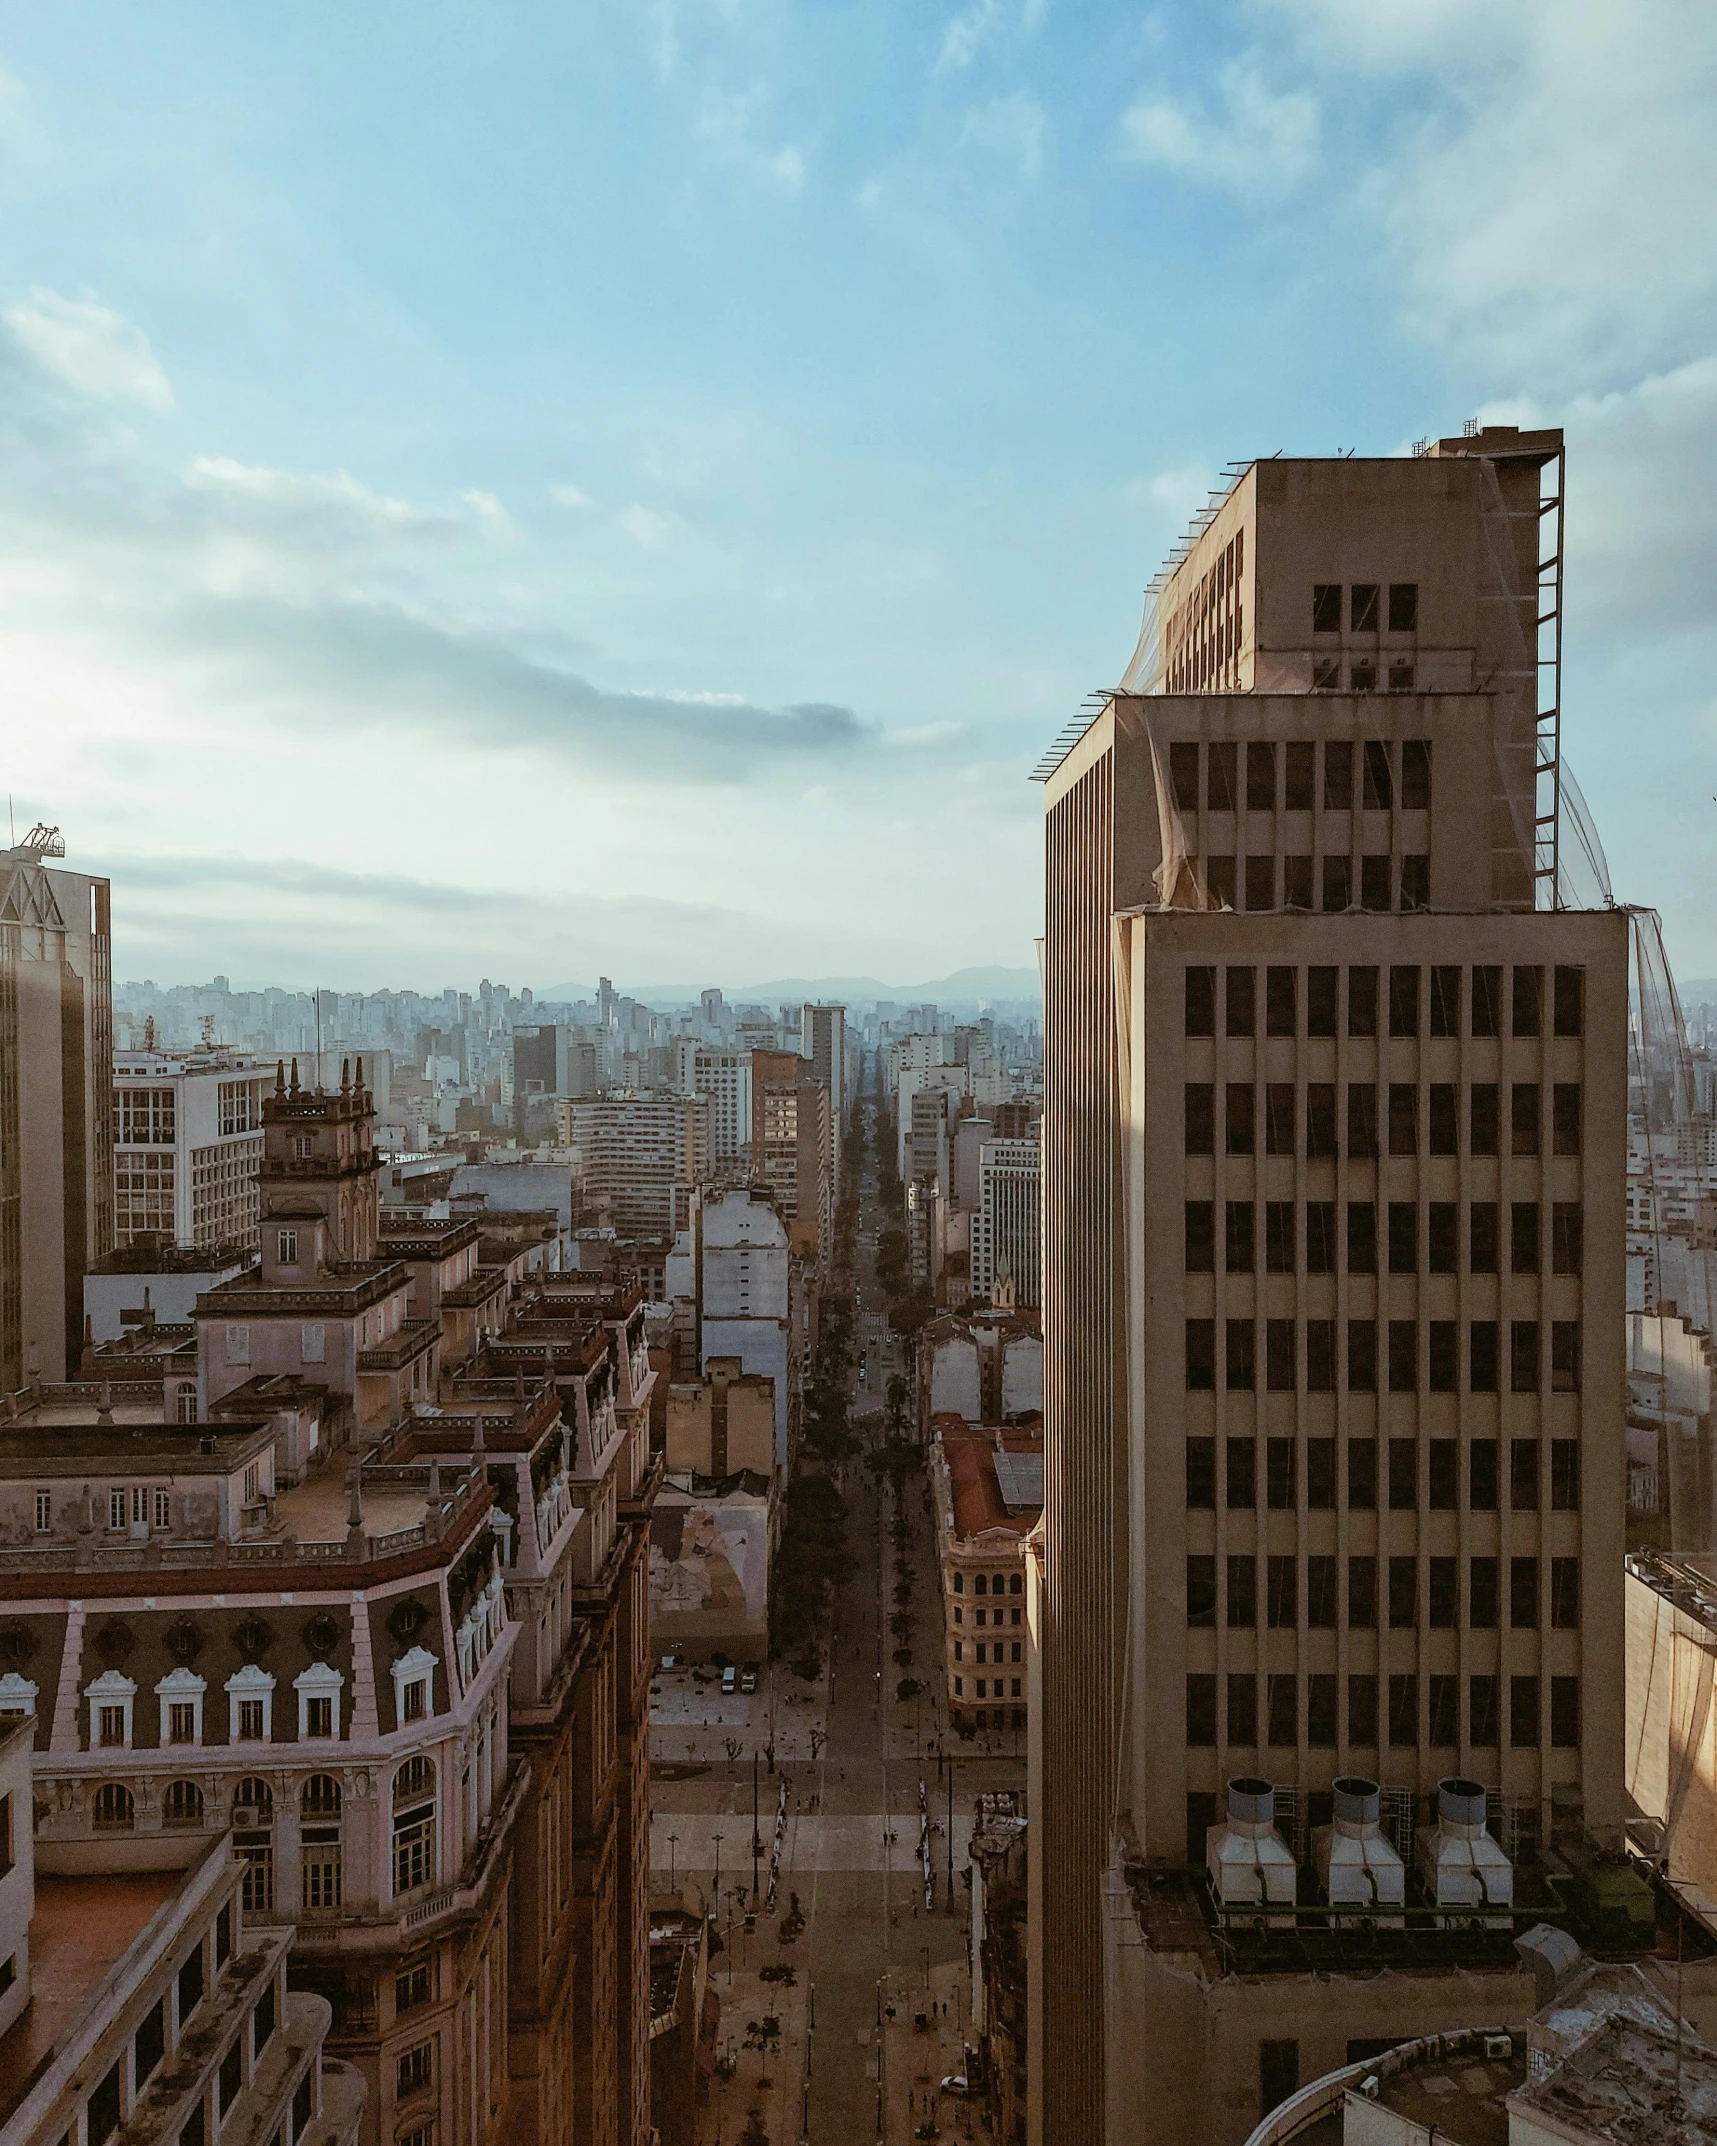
56, 1104
823, 1034
1007, 1223
642, 1154
1334, 1151
187, 1148
724, 1077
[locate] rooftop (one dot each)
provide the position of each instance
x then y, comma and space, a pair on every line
1631, 2082
150, 1447
977, 1459
82, 1927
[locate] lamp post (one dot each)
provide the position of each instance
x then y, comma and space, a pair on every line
673, 1866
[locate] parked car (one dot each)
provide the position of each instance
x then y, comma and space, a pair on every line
729, 1679
748, 1681
956, 2083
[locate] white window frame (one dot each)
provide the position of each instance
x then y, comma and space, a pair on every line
238, 1343
417, 1667
250, 1682
179, 1687
313, 1342
17, 1694
163, 1503
115, 1511
186, 1409
320, 1681
111, 1688
44, 1512
286, 1247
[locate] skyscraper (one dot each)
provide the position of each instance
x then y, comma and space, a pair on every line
56, 1104
1334, 1147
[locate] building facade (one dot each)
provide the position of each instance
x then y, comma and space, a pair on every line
56, 1104
641, 1157
1007, 1223
1334, 1170
988, 1491
187, 1146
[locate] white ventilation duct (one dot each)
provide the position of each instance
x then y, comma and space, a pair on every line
1248, 1862
1460, 1864
1355, 1859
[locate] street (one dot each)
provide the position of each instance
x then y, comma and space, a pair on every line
873, 1843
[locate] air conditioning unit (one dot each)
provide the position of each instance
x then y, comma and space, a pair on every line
1368, 2086
244, 1816
1500, 2046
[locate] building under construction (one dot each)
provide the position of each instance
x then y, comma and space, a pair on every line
1329, 1586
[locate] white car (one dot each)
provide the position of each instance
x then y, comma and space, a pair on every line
956, 2083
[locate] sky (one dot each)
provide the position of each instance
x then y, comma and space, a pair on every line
633, 486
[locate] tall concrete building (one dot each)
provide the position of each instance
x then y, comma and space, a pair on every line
723, 1077
1334, 1189
1007, 1223
824, 1042
187, 1148
642, 1155
56, 1104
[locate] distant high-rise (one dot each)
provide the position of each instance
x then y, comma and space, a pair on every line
1334, 1206
56, 1105
824, 1042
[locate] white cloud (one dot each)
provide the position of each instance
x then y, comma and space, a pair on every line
1179, 492
89, 347
728, 121
1259, 141
965, 35
1550, 209
335, 496
492, 518
650, 526
1011, 126
568, 495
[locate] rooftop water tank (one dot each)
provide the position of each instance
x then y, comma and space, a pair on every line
1355, 1859
1458, 1861
1248, 1861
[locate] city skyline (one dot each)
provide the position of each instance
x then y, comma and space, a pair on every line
764, 423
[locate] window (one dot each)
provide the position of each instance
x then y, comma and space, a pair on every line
189, 1985
1361, 1119
1523, 1237
1240, 992
1482, 1356
102, 2111
1320, 1474
1483, 1118
1320, 1121
1321, 1001
44, 1511
1442, 1236
286, 1247
1565, 1118
1362, 1356
238, 1344
1415, 882
1200, 1236
1567, 1237
1445, 1001
414, 1704
1523, 1356
1482, 1237
303, 2106
1403, 1238
1260, 776
1523, 1713
1528, 1001
1374, 883
1326, 618
1320, 1237
1299, 761
181, 1723
113, 1809
262, 2020
1223, 779
413, 1826
1201, 1590
1362, 1474
1241, 1469
1279, 1236
1362, 1594
1279, 1355
1240, 1356
1238, 1235
1219, 877
1279, 1117
1444, 1126
1320, 1356
230, 2078
1442, 1616
1338, 773
1404, 609
1444, 1367
1569, 1013
320, 1870
249, 1727
1239, 1110
1200, 1002
1282, 1593
1523, 1475
1565, 1594
413, 1985
1403, 1475
1200, 1710
1403, 1356
1482, 1711
182, 1805
1297, 885
1338, 885
1200, 1477
1482, 1475
1564, 1475
312, 1342
1404, 1001
318, 1717
1523, 1594
1403, 1710
1326, 674
1242, 1594
1403, 1593
1482, 1593
1564, 1713
1523, 1118
187, 1404
1362, 615
1201, 1355
1401, 676
1200, 1118
1281, 1465
1282, 1696
1183, 774
1281, 993
116, 1508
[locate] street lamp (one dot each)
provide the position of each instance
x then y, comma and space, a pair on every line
673, 1867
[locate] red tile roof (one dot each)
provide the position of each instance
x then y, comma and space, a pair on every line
970, 1452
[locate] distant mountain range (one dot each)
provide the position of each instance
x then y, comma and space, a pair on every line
964, 987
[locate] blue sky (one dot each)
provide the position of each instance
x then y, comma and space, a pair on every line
520, 489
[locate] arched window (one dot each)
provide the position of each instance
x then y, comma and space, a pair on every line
182, 1805
413, 1826
253, 1837
1016, 1584
981, 1583
114, 1808
321, 1877
320, 1797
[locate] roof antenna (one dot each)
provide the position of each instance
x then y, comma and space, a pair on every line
11, 822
